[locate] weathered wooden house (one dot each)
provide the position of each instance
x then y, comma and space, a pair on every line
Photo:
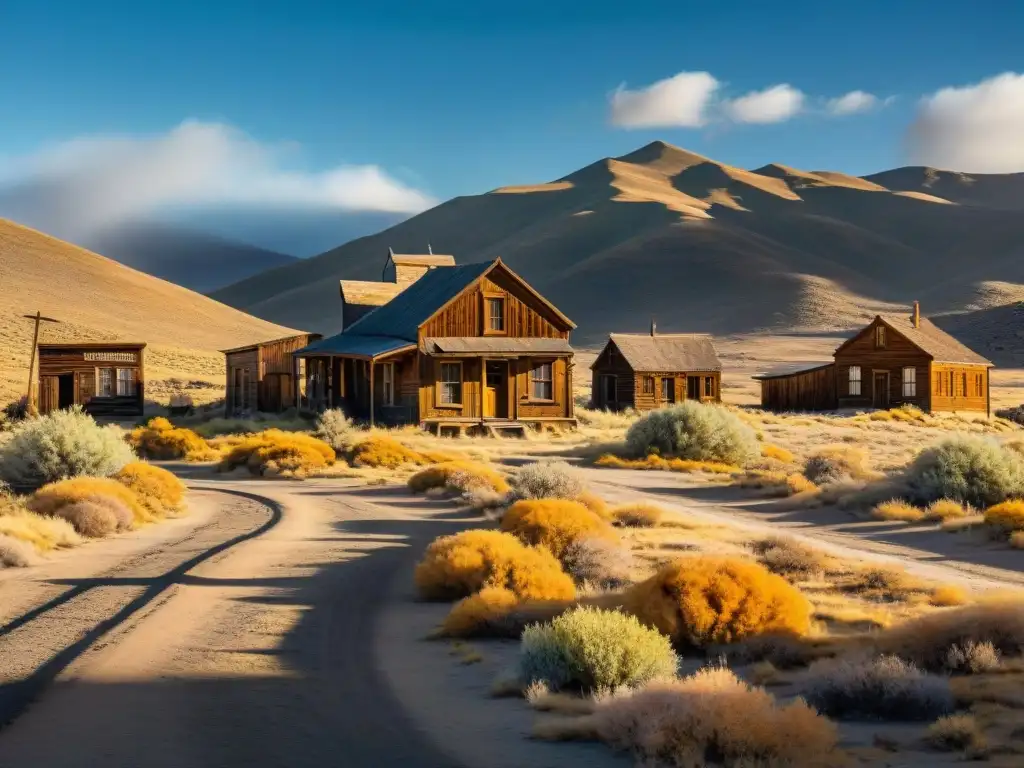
460, 347
106, 378
652, 370
400, 271
894, 360
262, 376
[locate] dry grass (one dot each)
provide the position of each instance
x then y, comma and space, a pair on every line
792, 559
554, 524
956, 733
16, 553
698, 601
947, 509
481, 615
49, 499
778, 453
596, 504
388, 453
948, 596
43, 533
159, 490
898, 510
93, 519
460, 476
638, 514
161, 440
888, 583
668, 465
1007, 516
459, 565
276, 452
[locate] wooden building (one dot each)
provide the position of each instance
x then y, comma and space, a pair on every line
358, 297
645, 371
894, 360
262, 376
106, 378
460, 347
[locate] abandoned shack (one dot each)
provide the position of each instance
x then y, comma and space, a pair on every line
262, 376
461, 347
359, 297
894, 360
106, 378
645, 371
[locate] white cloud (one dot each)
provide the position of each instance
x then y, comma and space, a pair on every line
772, 105
852, 103
681, 101
83, 184
975, 128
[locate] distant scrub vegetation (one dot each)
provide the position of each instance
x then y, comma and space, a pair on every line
694, 431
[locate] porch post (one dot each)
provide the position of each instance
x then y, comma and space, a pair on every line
371, 390
295, 382
329, 377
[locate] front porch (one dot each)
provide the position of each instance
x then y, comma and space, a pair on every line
495, 427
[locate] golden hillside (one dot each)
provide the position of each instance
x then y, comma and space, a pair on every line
701, 245
98, 299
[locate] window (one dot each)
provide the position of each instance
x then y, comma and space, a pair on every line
648, 385
451, 383
105, 382
668, 390
541, 384
495, 315
855, 380
388, 383
910, 382
125, 382
879, 336
709, 386
979, 385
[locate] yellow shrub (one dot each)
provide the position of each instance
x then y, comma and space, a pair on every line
595, 504
702, 600
50, 498
797, 483
459, 565
897, 509
458, 475
948, 595
669, 465
640, 514
161, 440
43, 532
770, 451
1008, 516
554, 523
277, 452
946, 509
386, 452
881, 416
1017, 539
480, 614
159, 490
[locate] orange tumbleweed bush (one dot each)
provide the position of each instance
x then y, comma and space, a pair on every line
159, 490
480, 614
554, 523
49, 499
458, 475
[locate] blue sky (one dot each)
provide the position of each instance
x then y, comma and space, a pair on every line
458, 98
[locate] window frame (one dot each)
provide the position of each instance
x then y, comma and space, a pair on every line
387, 384
855, 385
535, 366
442, 382
111, 388
880, 336
132, 387
909, 382
487, 297
648, 385
667, 389
709, 386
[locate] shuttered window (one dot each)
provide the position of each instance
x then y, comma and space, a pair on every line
910, 382
541, 384
451, 383
855, 380
104, 382
125, 382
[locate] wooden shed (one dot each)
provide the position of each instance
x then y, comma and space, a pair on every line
106, 378
894, 360
652, 370
261, 376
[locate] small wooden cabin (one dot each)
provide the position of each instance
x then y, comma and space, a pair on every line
262, 376
106, 378
358, 297
894, 360
645, 371
461, 347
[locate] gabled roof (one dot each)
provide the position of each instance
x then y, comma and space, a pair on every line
930, 339
368, 292
422, 260
457, 345
782, 371
665, 353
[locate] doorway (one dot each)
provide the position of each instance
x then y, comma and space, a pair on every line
65, 390
693, 387
609, 394
880, 390
496, 389
668, 390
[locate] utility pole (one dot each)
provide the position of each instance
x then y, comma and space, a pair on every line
38, 317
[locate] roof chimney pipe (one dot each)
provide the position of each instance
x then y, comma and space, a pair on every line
654, 327
917, 314
430, 250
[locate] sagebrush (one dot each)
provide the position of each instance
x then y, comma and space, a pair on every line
335, 429
694, 431
599, 562
547, 480
971, 470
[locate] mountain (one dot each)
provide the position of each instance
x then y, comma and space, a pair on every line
96, 298
700, 245
1004, 191
193, 259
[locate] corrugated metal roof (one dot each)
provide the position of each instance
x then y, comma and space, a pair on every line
663, 353
355, 345
403, 315
791, 370
933, 340
496, 345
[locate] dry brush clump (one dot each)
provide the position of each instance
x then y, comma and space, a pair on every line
385, 452
971, 470
554, 524
1006, 517
694, 431
93, 518
335, 429
589, 649
791, 558
160, 440
837, 464
160, 491
548, 480
699, 601
482, 614
599, 562
947, 509
652, 461
956, 733
16, 553
275, 452
638, 514
884, 688
53, 498
712, 715
464, 563
464, 477
43, 533
898, 510
61, 444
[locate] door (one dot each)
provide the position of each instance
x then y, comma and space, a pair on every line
49, 389
668, 390
608, 390
66, 390
495, 389
693, 387
272, 393
880, 390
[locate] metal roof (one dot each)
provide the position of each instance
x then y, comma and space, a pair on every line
664, 353
355, 345
791, 370
254, 345
496, 345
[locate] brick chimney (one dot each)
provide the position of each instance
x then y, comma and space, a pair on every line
654, 327
917, 314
